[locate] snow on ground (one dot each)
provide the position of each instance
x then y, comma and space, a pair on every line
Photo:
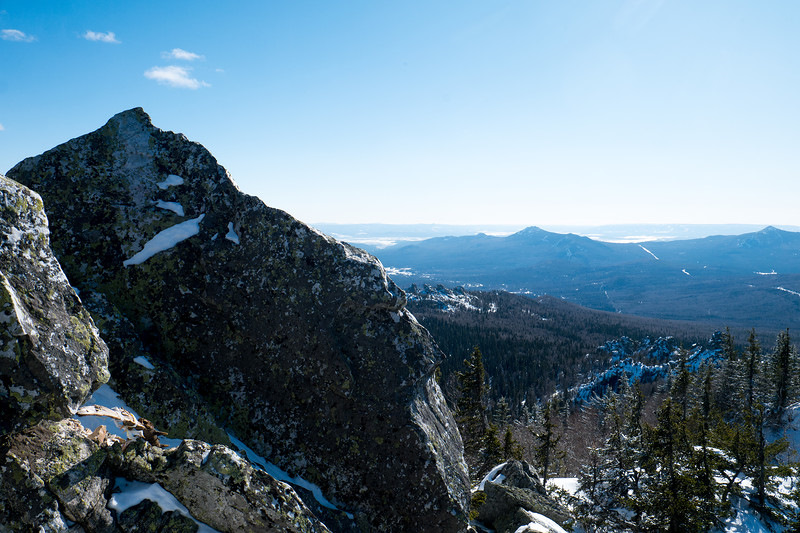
282, 475
166, 239
231, 235
134, 492
539, 524
171, 180
569, 484
107, 397
175, 207
746, 521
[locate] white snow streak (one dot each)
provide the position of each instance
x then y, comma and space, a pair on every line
282, 475
788, 290
164, 240
649, 252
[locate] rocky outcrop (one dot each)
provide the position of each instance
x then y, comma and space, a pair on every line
297, 343
513, 495
54, 475
51, 356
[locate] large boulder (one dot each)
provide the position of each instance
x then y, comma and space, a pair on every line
511, 494
51, 355
299, 344
54, 474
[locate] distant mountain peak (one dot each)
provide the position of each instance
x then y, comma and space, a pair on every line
531, 230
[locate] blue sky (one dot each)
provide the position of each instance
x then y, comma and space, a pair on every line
450, 112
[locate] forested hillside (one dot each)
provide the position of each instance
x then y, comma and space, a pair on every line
532, 346
704, 447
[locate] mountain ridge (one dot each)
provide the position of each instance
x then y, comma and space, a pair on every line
711, 278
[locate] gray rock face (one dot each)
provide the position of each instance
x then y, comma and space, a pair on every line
51, 355
53, 474
298, 343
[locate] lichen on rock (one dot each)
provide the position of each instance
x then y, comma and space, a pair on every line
297, 343
53, 474
51, 354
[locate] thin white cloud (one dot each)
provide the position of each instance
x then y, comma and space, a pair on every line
16, 36
174, 76
107, 37
1, 127
181, 55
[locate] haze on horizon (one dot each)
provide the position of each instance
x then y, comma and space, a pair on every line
515, 112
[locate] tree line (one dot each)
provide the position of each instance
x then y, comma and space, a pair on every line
710, 443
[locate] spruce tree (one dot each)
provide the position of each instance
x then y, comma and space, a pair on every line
546, 451
511, 448
471, 405
781, 369
492, 448
751, 371
728, 403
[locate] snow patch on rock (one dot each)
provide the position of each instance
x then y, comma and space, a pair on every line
232, 235
171, 181
166, 239
175, 207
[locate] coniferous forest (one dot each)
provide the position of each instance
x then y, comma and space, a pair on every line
678, 453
